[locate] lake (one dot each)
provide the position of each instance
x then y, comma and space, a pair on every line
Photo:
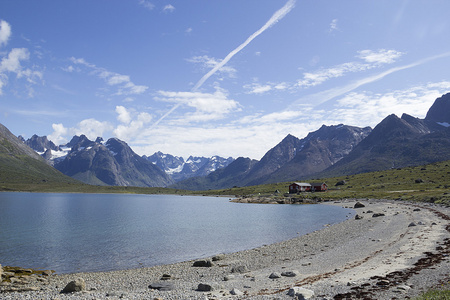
101, 232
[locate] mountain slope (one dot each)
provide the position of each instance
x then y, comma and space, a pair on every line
112, 163
398, 142
319, 150
19, 164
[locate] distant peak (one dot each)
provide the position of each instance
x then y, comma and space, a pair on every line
439, 112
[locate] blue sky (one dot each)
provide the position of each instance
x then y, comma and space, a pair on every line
224, 77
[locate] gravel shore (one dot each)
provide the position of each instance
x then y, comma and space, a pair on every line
395, 250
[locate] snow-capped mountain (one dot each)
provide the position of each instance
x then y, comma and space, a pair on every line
99, 163
194, 166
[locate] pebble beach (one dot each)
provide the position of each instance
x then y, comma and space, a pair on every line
389, 250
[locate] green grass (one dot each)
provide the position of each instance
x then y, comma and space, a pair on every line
398, 184
435, 295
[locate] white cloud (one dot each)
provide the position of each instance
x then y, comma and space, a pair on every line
169, 8
373, 59
188, 30
207, 106
130, 127
256, 88
208, 63
59, 135
123, 82
365, 108
92, 128
12, 63
5, 32
381, 56
333, 25
147, 4
123, 114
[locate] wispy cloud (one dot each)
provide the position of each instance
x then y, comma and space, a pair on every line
207, 106
123, 82
257, 88
330, 94
5, 32
373, 59
333, 25
169, 8
208, 63
381, 56
11, 62
147, 4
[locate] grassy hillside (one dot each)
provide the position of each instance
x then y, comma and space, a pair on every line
430, 183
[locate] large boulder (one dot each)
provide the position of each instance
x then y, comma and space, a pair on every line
78, 285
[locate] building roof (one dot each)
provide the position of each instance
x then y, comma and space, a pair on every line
302, 183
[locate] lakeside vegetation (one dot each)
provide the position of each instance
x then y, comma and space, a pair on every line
428, 183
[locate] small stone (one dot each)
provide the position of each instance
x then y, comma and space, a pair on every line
236, 292
412, 224
228, 277
218, 257
275, 275
404, 287
289, 273
77, 285
383, 282
203, 287
376, 215
166, 277
358, 217
204, 263
239, 269
300, 293
161, 286
358, 205
416, 209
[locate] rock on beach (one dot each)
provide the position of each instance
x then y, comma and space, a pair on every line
77, 285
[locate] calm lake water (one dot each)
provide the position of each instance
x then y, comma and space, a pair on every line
90, 232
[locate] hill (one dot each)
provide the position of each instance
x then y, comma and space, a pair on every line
21, 166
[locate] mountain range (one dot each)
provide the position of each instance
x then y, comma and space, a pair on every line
344, 150
330, 151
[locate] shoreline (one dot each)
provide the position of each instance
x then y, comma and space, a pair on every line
354, 257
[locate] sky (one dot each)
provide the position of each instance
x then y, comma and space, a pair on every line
224, 77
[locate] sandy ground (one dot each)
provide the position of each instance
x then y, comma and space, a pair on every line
382, 257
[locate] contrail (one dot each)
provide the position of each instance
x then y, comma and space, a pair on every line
277, 16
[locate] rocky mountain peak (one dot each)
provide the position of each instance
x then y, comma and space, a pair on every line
439, 112
40, 143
